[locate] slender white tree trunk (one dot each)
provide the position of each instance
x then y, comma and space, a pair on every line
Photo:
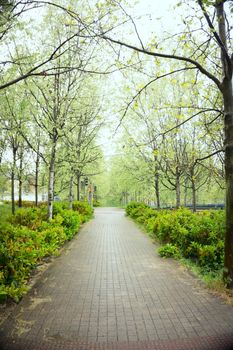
37, 177
20, 178
14, 150
71, 193
177, 188
51, 182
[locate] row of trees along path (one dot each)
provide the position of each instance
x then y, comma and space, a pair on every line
92, 29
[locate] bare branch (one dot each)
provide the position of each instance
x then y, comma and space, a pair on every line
185, 121
208, 156
145, 87
168, 56
135, 27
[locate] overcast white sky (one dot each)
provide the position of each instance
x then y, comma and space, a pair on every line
155, 17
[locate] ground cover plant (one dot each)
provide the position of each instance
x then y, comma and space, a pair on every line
27, 237
184, 234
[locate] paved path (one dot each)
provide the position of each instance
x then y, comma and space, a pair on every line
110, 290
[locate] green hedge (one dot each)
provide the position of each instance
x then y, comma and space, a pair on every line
83, 208
96, 203
196, 236
27, 237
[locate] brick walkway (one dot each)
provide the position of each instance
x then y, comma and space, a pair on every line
110, 290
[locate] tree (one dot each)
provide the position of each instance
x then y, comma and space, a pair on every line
11, 120
79, 152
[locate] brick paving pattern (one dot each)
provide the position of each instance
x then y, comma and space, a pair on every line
110, 290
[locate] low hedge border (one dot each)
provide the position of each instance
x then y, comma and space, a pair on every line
184, 234
27, 238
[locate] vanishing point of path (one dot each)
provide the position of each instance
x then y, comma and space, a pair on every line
110, 290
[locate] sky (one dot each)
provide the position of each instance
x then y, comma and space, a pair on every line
156, 16
150, 17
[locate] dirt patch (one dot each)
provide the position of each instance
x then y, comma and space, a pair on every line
22, 326
37, 301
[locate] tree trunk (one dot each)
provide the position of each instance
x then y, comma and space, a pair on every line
194, 193
90, 195
51, 182
20, 179
43, 188
14, 150
185, 193
228, 124
157, 192
226, 89
20, 191
177, 188
71, 193
37, 178
78, 186
124, 199
156, 179
13, 192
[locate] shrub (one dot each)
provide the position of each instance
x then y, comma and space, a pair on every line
131, 206
30, 217
53, 238
96, 203
28, 237
3, 292
84, 209
149, 225
209, 226
135, 209
58, 207
146, 214
19, 252
210, 256
197, 236
169, 250
71, 222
